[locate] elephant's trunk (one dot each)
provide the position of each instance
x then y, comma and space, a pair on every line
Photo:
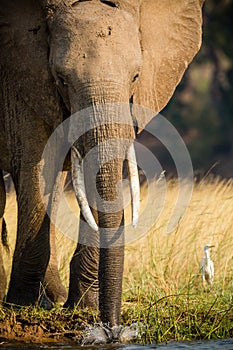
111, 228
80, 190
97, 178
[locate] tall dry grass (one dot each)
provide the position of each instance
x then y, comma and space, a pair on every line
162, 280
165, 262
171, 262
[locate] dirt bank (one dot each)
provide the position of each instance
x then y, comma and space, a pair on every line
36, 325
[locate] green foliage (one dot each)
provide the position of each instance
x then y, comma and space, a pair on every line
183, 316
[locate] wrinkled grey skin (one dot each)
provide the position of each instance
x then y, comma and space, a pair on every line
59, 57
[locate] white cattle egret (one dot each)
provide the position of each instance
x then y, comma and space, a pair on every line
207, 266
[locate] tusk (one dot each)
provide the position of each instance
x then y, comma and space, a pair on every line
134, 184
79, 187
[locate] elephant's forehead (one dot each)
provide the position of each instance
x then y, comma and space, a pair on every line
89, 30
91, 16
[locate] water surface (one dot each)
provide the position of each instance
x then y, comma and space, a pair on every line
225, 344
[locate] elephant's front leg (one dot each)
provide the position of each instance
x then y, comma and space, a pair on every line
84, 286
31, 253
96, 274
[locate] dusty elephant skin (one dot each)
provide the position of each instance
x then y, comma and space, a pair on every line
58, 57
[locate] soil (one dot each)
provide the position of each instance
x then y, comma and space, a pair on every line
28, 333
29, 325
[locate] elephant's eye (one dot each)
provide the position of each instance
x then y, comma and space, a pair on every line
109, 3
106, 2
77, 2
62, 81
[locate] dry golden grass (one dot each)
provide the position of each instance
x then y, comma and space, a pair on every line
162, 280
171, 260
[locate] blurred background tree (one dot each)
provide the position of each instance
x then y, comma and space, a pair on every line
202, 106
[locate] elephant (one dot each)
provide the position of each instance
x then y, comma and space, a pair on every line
58, 58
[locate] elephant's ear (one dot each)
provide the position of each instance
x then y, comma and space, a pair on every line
170, 37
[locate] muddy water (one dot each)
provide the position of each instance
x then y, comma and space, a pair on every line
226, 344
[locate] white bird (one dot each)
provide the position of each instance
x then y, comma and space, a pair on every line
207, 266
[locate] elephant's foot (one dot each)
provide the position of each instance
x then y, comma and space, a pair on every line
23, 290
57, 297
45, 303
83, 296
55, 292
28, 297
102, 334
22, 296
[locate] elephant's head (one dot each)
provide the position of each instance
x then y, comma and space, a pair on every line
89, 58
105, 52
